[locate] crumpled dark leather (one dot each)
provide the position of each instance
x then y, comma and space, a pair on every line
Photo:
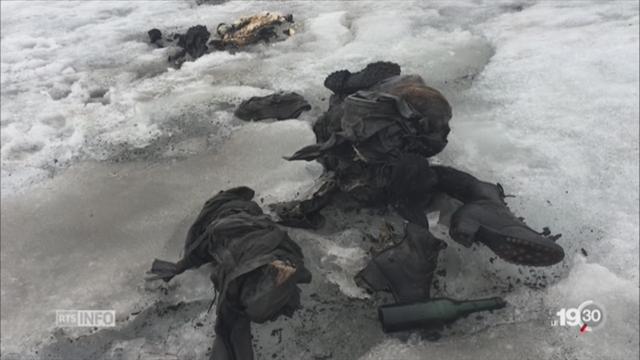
405, 269
242, 245
344, 82
278, 106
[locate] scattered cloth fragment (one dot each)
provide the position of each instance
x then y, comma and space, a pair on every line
194, 42
154, 35
253, 29
256, 268
265, 27
278, 106
374, 143
405, 269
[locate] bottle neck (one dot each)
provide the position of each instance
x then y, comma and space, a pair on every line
472, 306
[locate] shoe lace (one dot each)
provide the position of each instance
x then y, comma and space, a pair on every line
502, 193
213, 301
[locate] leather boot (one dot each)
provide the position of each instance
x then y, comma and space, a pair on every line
488, 220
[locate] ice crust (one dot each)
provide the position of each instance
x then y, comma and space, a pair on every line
107, 155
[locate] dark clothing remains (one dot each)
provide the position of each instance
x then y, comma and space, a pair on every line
188, 46
278, 106
256, 268
194, 42
264, 27
344, 82
154, 35
375, 150
375, 125
374, 142
242, 33
405, 269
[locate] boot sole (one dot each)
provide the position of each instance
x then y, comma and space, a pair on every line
529, 252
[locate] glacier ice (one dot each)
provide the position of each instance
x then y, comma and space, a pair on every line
107, 154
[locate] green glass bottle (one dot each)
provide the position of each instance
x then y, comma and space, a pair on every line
433, 313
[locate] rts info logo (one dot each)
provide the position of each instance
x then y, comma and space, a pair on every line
85, 318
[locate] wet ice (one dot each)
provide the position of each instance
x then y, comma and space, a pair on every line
544, 97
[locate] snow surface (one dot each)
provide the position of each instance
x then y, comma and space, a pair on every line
107, 155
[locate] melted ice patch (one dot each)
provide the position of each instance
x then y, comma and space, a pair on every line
544, 98
344, 258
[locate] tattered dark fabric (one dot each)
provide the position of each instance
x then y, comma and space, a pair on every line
154, 35
374, 124
405, 269
411, 186
246, 250
194, 42
305, 214
278, 106
375, 138
432, 128
238, 35
374, 141
344, 82
399, 115
376, 131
